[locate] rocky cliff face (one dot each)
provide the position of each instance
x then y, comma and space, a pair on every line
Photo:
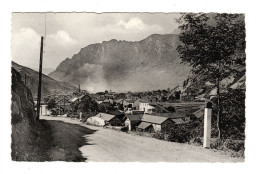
23, 117
152, 63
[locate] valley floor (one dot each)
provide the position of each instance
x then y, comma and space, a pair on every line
107, 145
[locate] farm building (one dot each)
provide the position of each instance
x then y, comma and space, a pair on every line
158, 123
103, 119
132, 120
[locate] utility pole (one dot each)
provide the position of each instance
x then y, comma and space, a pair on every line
40, 82
64, 104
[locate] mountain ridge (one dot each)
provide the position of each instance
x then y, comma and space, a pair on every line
49, 85
125, 66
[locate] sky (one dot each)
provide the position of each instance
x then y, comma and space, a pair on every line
66, 33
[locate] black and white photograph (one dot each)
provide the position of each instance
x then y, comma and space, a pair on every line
126, 87
99, 86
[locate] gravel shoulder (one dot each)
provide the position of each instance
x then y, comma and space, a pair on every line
107, 145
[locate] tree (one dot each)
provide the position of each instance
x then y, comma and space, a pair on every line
88, 105
210, 43
51, 104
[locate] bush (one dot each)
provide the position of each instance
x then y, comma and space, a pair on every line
183, 133
235, 145
197, 141
158, 135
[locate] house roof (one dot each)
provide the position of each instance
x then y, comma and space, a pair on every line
144, 125
153, 119
104, 116
141, 100
74, 99
134, 117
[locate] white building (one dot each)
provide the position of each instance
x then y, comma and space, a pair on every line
44, 110
146, 107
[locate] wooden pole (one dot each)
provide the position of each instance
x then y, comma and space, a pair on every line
63, 104
40, 82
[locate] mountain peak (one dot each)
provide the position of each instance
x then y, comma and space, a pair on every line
151, 63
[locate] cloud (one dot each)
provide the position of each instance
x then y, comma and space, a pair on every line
136, 24
61, 38
26, 47
133, 23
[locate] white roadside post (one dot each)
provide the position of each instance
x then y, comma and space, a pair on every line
207, 125
80, 116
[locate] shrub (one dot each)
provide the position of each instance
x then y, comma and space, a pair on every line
197, 141
183, 133
158, 135
235, 145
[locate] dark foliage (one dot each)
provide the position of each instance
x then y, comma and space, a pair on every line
51, 104
233, 114
183, 133
88, 105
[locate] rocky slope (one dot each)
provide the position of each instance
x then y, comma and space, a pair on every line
24, 126
49, 85
152, 63
198, 86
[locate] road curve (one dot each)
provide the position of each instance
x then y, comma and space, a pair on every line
107, 145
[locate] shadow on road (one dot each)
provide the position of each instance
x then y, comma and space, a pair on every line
61, 141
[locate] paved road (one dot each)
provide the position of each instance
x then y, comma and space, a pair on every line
107, 145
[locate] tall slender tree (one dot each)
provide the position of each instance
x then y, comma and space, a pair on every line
211, 44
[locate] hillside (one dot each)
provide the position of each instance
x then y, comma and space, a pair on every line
49, 85
198, 85
152, 63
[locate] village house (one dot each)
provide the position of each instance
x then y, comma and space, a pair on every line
153, 123
146, 107
102, 119
131, 121
136, 105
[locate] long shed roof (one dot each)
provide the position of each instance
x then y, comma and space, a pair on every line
153, 119
144, 125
